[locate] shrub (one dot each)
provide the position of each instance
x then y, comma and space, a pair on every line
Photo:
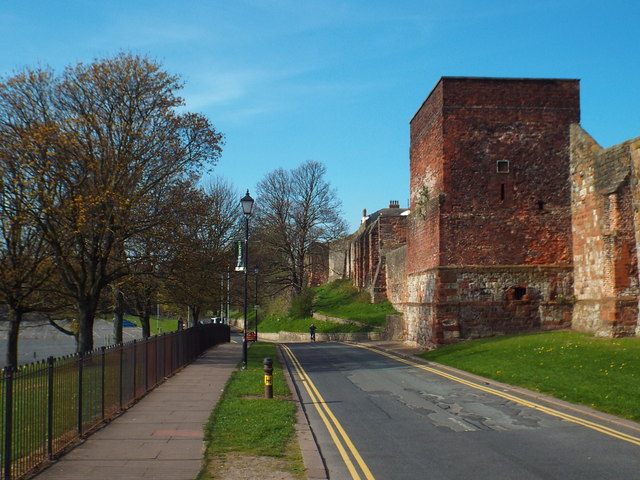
302, 305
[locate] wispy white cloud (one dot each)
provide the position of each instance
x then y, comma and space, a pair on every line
228, 87
157, 33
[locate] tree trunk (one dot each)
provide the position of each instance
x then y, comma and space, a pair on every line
86, 317
118, 314
195, 315
118, 319
12, 340
146, 325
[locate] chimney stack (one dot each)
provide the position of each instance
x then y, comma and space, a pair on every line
394, 204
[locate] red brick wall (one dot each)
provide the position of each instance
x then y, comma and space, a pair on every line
393, 232
635, 195
318, 260
427, 170
514, 218
468, 217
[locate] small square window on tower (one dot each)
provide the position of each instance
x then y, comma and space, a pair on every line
502, 166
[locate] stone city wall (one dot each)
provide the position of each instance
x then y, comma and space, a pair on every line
605, 235
519, 220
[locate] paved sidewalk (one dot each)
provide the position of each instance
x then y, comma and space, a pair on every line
160, 437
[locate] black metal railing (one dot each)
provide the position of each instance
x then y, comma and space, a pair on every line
48, 405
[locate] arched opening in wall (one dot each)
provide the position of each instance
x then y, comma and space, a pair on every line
519, 293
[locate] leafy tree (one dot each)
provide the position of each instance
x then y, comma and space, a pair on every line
25, 259
109, 142
25, 264
148, 255
295, 208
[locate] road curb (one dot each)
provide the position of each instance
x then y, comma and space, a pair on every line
313, 461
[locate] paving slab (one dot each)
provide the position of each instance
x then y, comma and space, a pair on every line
161, 436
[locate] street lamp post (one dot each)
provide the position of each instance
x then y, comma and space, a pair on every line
255, 305
247, 208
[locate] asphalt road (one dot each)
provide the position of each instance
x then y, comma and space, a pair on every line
379, 417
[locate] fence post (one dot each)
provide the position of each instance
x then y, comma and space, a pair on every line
8, 419
164, 356
172, 342
80, 375
135, 368
146, 365
102, 365
50, 407
177, 350
121, 374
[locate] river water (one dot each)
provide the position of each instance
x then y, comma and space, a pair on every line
39, 340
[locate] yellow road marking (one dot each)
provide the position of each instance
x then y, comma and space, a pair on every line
550, 411
306, 381
324, 412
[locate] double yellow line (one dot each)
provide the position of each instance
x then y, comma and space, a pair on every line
541, 408
338, 435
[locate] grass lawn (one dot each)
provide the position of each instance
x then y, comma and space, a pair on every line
246, 423
340, 299
601, 373
156, 325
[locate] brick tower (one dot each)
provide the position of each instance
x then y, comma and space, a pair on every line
489, 237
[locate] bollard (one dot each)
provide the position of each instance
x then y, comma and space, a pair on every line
268, 378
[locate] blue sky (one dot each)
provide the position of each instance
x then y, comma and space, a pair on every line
338, 81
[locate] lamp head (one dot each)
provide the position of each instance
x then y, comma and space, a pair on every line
247, 204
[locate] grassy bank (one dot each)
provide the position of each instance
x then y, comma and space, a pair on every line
340, 299
335, 299
601, 373
277, 324
246, 424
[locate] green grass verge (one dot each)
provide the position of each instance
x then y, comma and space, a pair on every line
156, 325
340, 299
600, 373
246, 423
277, 324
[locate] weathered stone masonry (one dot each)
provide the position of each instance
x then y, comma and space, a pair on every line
489, 236
606, 202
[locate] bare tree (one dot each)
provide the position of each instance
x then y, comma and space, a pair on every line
296, 208
205, 233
